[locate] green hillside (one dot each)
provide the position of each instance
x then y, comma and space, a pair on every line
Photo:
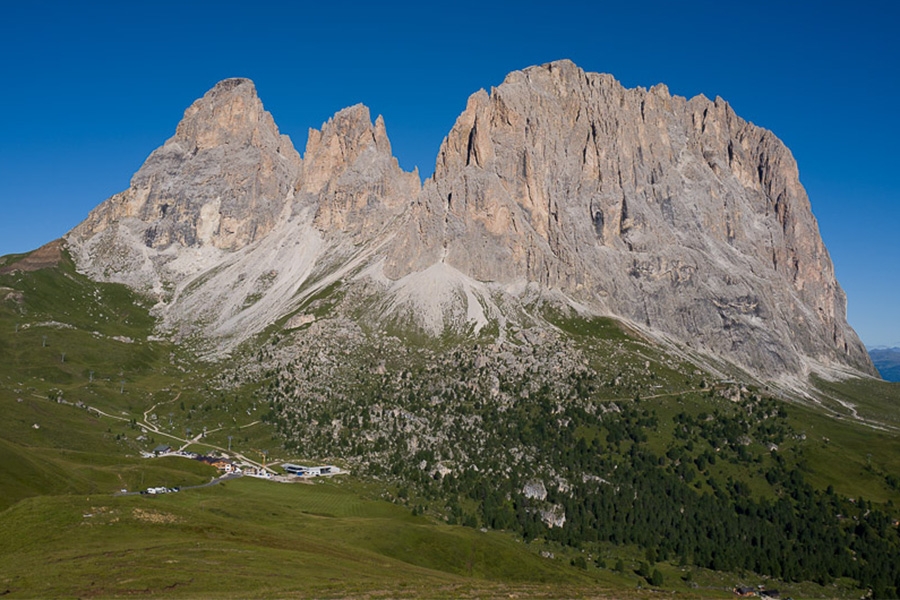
249, 539
253, 539
668, 478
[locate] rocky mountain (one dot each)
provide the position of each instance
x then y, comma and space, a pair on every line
580, 331
221, 180
557, 188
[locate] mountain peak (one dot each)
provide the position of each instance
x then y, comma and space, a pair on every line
222, 180
676, 215
673, 215
229, 113
232, 83
339, 143
348, 165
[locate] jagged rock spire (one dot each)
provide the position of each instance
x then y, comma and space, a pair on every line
349, 168
221, 180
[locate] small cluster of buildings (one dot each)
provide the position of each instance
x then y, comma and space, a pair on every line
166, 450
225, 465
229, 467
304, 471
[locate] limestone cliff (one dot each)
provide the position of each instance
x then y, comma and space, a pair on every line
219, 184
675, 215
351, 175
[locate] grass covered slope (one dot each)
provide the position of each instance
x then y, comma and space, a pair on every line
254, 539
654, 474
85, 388
70, 350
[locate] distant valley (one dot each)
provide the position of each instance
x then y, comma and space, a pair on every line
887, 361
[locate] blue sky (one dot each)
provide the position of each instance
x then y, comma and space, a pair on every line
91, 88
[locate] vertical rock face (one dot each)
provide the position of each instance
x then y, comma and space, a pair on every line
673, 213
351, 175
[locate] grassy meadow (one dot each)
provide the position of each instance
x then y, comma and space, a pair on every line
67, 344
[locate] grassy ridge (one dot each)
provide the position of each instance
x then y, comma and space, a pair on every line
868, 399
67, 343
74, 451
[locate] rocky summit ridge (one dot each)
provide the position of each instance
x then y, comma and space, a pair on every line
675, 216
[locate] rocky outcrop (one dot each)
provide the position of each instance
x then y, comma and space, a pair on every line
221, 183
675, 215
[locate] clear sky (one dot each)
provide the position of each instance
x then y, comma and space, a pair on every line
89, 89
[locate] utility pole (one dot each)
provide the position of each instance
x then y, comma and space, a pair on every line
122, 387
229, 443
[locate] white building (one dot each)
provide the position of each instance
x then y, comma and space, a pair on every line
304, 471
